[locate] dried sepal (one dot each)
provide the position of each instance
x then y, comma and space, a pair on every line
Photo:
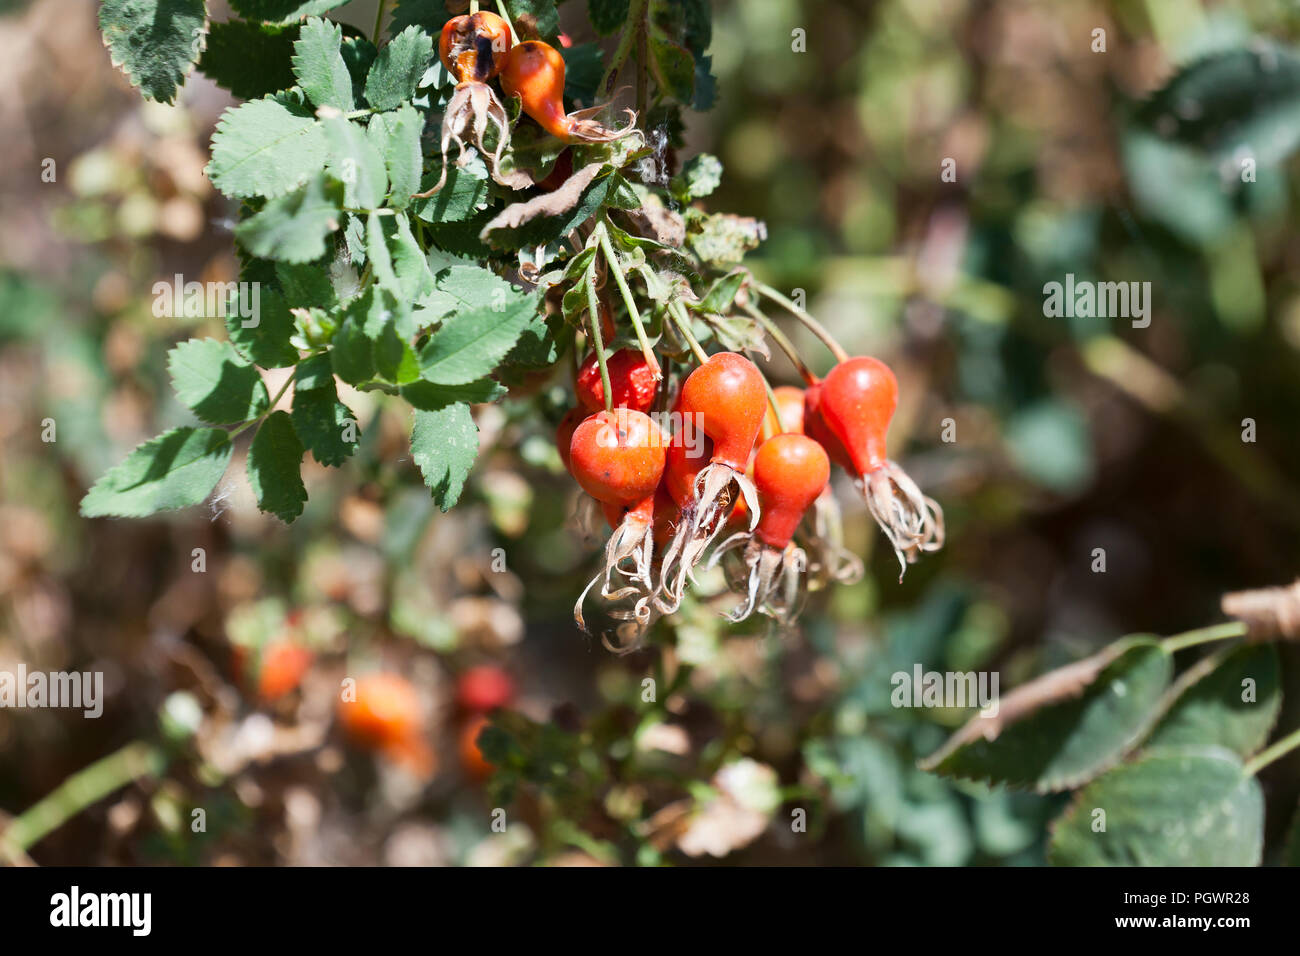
912, 521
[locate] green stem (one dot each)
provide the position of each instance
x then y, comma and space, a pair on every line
771, 395
633, 27
1279, 749
783, 343
683, 322
642, 76
505, 15
1204, 635
269, 408
597, 336
379, 21
611, 260
86, 787
815, 327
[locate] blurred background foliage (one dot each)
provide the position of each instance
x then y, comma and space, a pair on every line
757, 747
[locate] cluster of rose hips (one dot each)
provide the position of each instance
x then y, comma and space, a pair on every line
668, 497
478, 47
763, 464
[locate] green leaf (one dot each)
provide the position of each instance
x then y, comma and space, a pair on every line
351, 354
326, 426
377, 254
463, 194
1066, 726
373, 340
249, 59
1189, 807
212, 379
398, 263
698, 17
358, 53
722, 294
306, 285
265, 339
397, 70
264, 149
700, 176
583, 68
542, 14
318, 64
397, 136
461, 285
1209, 707
355, 161
471, 344
461, 238
706, 84
1049, 442
540, 344
1242, 101
275, 467
175, 470
429, 14
154, 42
284, 11
431, 398
395, 360
674, 67
414, 280
294, 227
444, 444
314, 374
607, 16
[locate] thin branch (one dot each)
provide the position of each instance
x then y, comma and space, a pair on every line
683, 323
597, 337
613, 265
782, 342
815, 327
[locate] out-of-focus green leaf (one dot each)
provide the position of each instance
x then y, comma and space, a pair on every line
155, 42
1230, 700
1188, 807
1066, 726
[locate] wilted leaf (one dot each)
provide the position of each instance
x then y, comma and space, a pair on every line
1064, 727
